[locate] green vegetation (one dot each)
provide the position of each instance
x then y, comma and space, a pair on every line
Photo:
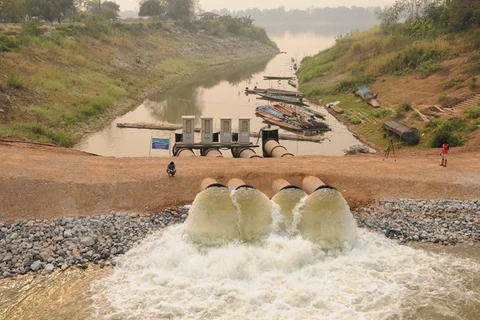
74, 76
426, 44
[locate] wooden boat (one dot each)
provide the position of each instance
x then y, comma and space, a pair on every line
273, 97
286, 116
292, 83
267, 115
278, 92
277, 78
410, 135
369, 98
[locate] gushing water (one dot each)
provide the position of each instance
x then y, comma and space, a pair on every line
213, 217
284, 275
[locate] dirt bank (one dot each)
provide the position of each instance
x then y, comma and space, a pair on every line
39, 182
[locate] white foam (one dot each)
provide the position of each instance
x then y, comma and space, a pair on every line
283, 277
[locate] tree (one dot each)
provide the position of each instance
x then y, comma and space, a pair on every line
50, 10
110, 10
181, 9
151, 8
14, 10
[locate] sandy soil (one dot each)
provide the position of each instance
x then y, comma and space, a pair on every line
38, 182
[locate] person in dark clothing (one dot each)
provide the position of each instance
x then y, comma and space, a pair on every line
171, 170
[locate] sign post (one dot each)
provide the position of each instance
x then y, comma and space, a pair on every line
159, 144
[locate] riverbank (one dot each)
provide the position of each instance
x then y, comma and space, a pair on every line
68, 83
43, 246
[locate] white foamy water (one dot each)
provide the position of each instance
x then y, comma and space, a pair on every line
287, 273
168, 276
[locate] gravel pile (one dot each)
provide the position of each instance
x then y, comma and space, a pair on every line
40, 246
437, 221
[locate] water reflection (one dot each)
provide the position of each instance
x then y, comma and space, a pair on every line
186, 98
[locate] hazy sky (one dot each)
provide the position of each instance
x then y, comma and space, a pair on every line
208, 5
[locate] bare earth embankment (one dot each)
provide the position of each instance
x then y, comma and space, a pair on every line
39, 182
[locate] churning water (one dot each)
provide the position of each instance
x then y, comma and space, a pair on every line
248, 273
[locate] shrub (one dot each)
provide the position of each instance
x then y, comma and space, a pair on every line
8, 43
473, 112
32, 28
451, 83
473, 82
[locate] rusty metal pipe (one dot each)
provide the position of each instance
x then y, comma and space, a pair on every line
311, 184
212, 152
238, 183
209, 183
245, 153
280, 184
275, 150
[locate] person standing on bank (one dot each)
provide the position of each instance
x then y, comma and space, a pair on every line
171, 170
445, 148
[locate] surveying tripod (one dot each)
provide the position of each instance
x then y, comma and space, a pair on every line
391, 147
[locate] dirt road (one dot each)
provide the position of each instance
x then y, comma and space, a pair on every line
38, 182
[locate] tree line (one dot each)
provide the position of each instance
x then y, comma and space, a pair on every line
17, 11
430, 17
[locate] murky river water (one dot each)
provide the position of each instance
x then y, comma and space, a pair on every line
219, 92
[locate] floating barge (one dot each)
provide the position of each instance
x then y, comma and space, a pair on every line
410, 135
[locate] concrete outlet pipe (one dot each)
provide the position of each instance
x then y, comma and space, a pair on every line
311, 184
245, 153
209, 183
237, 184
275, 150
212, 152
280, 184
184, 152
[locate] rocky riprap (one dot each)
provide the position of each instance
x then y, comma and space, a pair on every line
40, 246
436, 221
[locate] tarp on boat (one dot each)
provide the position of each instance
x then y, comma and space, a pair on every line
410, 135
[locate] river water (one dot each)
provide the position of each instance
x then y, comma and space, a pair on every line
219, 92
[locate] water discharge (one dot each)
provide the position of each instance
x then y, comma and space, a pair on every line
168, 276
324, 270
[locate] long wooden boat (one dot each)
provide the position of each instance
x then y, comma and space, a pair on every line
292, 83
410, 135
277, 78
266, 115
369, 98
274, 91
273, 97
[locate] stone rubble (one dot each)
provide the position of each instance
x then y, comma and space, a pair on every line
444, 222
41, 246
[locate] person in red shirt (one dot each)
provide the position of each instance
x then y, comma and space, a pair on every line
445, 148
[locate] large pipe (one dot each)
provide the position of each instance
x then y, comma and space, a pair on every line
310, 184
209, 183
280, 184
212, 152
238, 183
244, 152
184, 152
275, 150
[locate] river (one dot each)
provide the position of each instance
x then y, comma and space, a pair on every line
219, 92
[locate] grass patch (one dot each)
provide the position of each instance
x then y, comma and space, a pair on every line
37, 131
15, 81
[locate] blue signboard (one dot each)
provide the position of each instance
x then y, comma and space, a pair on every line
161, 143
